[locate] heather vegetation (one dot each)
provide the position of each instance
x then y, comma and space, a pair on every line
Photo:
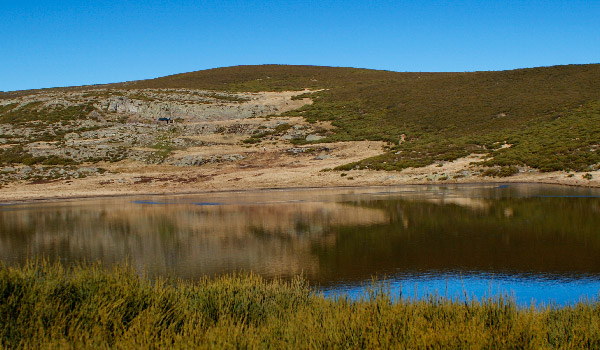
87, 307
568, 142
36, 113
17, 155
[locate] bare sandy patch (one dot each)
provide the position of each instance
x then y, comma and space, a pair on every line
274, 168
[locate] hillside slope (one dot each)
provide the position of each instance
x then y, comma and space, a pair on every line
506, 122
442, 115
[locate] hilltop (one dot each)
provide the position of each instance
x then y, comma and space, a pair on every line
279, 125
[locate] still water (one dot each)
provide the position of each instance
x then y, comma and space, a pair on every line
536, 243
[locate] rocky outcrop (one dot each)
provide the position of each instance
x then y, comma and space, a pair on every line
152, 110
196, 106
197, 160
72, 129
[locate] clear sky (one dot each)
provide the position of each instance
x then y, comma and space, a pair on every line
62, 43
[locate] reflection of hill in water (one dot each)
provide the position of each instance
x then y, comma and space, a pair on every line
443, 228
271, 239
530, 236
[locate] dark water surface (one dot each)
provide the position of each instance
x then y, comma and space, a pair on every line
534, 242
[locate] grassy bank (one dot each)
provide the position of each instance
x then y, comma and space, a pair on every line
88, 307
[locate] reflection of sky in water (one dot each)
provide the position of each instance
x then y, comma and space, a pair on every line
534, 242
525, 290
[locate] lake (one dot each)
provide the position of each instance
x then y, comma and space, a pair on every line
537, 243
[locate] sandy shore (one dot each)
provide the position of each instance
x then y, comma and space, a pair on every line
269, 169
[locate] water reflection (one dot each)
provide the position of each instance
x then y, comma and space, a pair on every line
189, 240
337, 238
527, 290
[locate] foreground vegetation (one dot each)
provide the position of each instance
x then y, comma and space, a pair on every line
48, 306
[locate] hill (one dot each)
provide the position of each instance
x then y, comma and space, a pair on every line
442, 115
537, 119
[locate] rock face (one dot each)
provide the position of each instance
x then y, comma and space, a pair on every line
195, 112
197, 160
40, 133
198, 105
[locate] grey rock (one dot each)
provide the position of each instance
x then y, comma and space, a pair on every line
26, 170
296, 150
322, 156
313, 137
233, 157
193, 160
87, 170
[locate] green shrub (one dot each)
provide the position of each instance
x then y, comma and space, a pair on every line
35, 113
281, 128
252, 140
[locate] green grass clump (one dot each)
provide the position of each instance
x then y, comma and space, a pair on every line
281, 128
17, 155
48, 306
504, 171
252, 140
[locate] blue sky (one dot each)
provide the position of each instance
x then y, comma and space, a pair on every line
63, 43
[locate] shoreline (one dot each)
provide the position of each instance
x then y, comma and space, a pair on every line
272, 169
91, 196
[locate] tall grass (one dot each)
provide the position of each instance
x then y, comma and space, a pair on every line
49, 306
